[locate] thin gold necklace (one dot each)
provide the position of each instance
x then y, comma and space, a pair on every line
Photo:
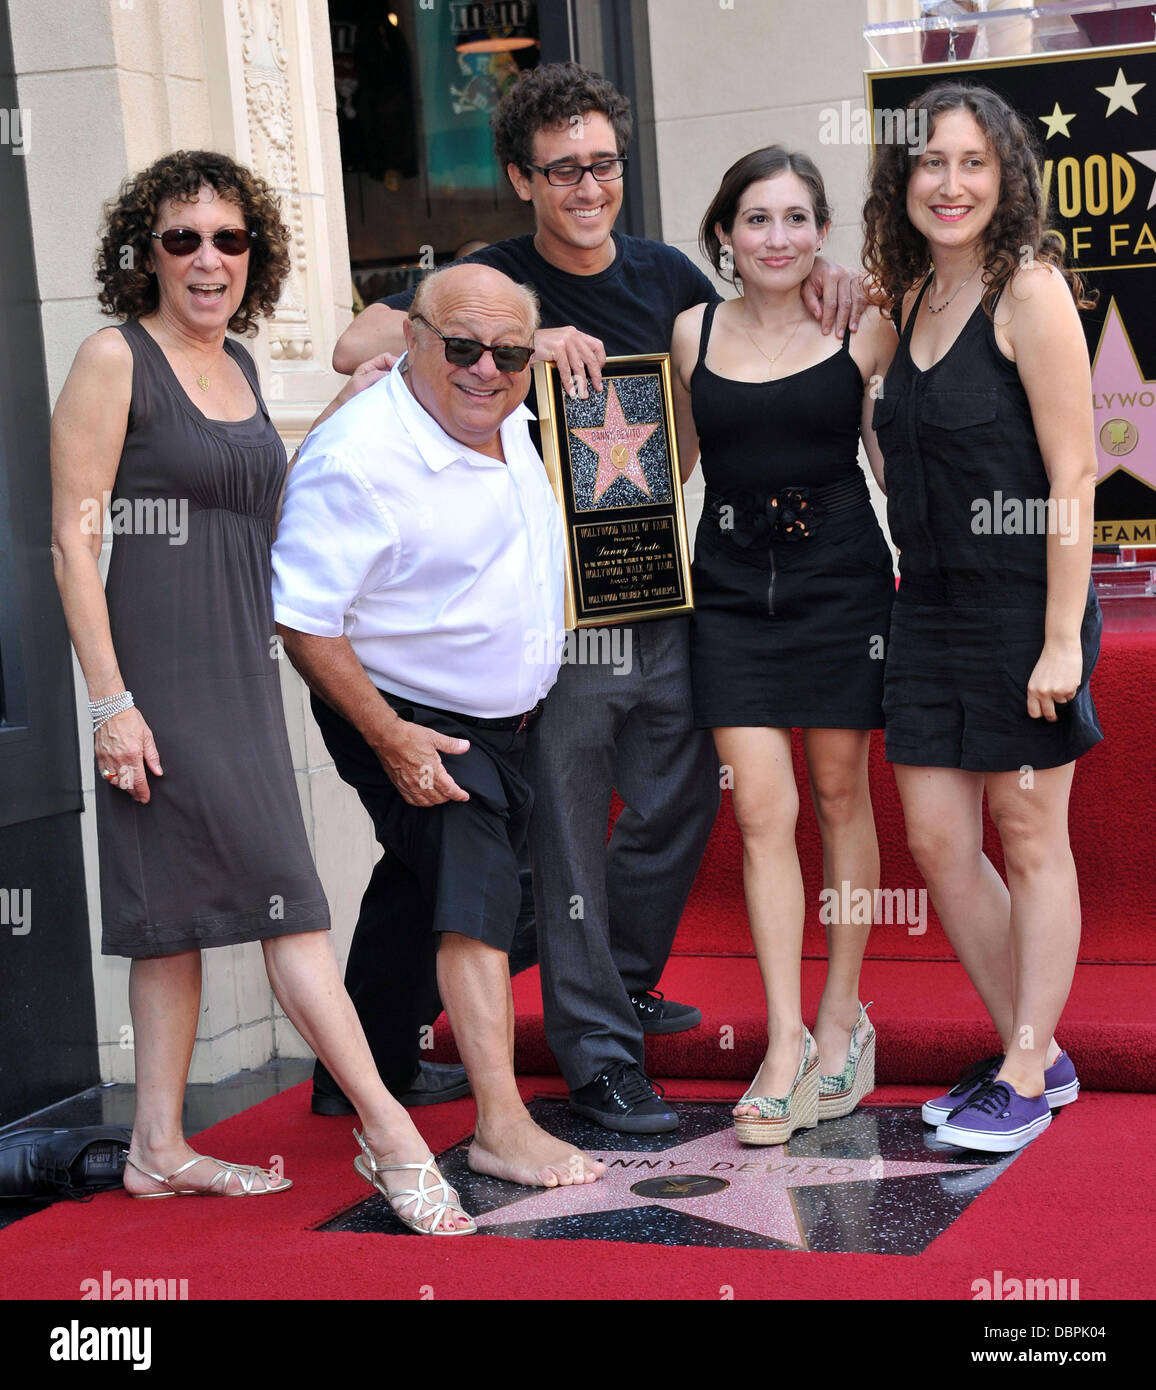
786, 345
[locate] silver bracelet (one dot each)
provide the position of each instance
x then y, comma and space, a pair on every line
109, 707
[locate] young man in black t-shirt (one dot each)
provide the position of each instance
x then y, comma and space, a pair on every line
606, 912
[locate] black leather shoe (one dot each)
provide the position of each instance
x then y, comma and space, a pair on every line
436, 1082
624, 1099
63, 1162
330, 1103
659, 1015
433, 1083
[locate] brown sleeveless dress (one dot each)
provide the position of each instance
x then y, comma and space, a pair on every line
219, 854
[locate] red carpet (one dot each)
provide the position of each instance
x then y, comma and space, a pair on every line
1060, 1211
929, 1019
1112, 826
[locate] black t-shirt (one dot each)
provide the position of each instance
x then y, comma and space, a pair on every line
631, 305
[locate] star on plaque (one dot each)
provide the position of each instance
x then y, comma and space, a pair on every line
1121, 94
1148, 159
714, 1178
1058, 122
616, 443
876, 1181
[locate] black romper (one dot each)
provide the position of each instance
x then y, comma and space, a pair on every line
966, 487
793, 580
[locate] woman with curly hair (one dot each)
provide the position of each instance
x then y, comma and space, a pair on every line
793, 587
161, 422
985, 423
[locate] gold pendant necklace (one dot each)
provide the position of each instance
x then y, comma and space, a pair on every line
202, 377
786, 345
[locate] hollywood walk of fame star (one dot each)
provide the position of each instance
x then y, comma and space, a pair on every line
1058, 122
758, 1197
1148, 159
1121, 94
617, 444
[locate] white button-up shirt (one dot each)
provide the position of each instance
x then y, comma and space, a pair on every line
441, 565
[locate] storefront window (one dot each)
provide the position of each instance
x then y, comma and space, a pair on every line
416, 85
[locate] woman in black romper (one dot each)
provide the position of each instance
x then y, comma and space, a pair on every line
793, 587
985, 424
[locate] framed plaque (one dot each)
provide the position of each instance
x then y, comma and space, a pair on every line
613, 463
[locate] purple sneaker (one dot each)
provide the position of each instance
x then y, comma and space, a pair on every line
996, 1119
1061, 1084
936, 1111
1061, 1087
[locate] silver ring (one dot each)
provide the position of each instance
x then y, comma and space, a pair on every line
106, 774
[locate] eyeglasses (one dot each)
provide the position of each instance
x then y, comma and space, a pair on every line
464, 352
566, 175
183, 241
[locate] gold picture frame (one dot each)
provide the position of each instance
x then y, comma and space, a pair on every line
612, 460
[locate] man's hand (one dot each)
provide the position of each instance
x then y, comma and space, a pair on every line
834, 296
578, 357
410, 757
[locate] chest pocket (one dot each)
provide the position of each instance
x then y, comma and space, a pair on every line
960, 410
886, 404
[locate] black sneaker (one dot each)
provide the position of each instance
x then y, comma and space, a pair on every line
624, 1099
659, 1015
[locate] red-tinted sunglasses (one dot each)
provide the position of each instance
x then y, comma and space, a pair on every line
183, 241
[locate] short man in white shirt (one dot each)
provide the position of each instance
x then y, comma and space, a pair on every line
416, 558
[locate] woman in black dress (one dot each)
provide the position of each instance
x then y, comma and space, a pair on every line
793, 585
985, 423
161, 422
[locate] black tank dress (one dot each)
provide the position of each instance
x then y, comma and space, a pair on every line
793, 581
219, 854
966, 488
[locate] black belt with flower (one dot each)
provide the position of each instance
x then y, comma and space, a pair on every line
755, 520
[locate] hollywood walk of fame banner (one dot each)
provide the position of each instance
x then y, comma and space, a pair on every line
1094, 113
613, 464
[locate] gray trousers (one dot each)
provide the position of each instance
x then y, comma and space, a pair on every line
607, 913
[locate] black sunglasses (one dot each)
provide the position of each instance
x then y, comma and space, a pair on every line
464, 352
183, 241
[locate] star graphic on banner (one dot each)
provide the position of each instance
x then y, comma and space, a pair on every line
1121, 94
1148, 159
757, 1198
617, 444
1058, 122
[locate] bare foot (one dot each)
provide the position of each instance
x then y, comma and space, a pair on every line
205, 1175
394, 1147
522, 1152
776, 1075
